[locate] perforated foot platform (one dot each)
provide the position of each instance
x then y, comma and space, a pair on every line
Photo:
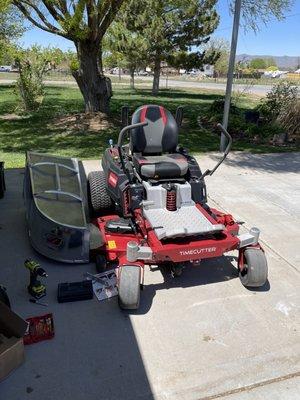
185, 221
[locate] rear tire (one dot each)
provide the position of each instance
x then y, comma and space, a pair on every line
255, 272
129, 287
98, 197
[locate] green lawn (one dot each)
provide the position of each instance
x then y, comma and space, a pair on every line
42, 131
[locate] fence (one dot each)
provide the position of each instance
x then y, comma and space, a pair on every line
293, 76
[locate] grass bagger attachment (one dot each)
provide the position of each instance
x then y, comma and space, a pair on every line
147, 206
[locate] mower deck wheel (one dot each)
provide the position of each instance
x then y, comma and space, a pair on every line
129, 287
255, 272
98, 197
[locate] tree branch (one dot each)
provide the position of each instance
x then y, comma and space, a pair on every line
38, 12
52, 10
46, 27
63, 7
92, 15
112, 8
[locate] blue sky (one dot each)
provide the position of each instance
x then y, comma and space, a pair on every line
277, 38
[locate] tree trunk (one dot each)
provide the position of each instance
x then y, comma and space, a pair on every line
100, 59
94, 86
132, 79
156, 75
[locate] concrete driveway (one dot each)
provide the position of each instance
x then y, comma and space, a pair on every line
200, 337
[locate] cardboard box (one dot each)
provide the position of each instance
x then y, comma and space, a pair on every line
11, 355
12, 330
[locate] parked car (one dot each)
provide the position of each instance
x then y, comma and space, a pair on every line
142, 73
193, 72
5, 68
116, 71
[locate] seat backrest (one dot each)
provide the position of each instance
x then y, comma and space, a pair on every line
159, 136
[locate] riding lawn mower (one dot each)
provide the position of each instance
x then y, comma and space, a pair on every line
148, 206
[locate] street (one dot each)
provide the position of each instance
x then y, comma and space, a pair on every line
258, 90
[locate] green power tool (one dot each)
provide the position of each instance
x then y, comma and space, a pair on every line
35, 287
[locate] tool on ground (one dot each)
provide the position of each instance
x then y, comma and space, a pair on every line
35, 288
74, 291
38, 302
39, 328
95, 278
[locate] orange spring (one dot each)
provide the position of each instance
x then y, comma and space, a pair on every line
171, 200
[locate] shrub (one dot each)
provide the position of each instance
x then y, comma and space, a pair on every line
280, 98
29, 87
217, 106
33, 65
282, 107
264, 132
289, 119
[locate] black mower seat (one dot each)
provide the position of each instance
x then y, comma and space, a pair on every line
160, 167
148, 143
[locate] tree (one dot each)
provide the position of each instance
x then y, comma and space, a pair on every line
272, 68
255, 12
258, 63
11, 22
171, 26
270, 62
188, 61
220, 48
262, 63
112, 58
127, 47
11, 28
84, 22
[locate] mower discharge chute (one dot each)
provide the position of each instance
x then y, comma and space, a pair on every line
149, 204
55, 210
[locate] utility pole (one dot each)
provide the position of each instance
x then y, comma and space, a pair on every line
234, 39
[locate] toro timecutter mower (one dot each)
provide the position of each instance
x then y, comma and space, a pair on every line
147, 206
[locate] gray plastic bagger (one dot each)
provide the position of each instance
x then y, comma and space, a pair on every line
55, 208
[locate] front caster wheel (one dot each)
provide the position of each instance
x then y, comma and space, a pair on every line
255, 271
129, 287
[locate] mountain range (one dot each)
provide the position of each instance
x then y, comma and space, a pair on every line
282, 62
